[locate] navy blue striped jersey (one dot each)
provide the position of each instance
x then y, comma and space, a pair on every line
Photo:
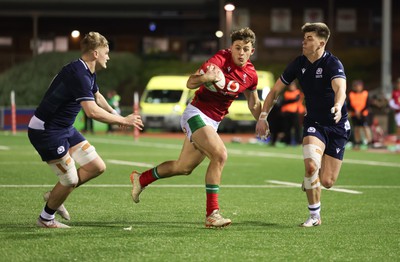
61, 102
315, 80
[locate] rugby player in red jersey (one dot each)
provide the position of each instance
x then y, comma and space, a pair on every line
203, 115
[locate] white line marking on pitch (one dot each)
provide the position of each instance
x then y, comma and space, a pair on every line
4, 148
243, 152
159, 186
129, 163
299, 185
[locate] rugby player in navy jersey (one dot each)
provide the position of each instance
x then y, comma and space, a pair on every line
326, 128
51, 129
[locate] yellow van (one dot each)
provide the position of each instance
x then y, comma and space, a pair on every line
239, 117
164, 100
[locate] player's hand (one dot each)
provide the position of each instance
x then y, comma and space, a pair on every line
336, 110
211, 75
262, 127
134, 120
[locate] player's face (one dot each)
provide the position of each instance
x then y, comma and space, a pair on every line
311, 44
102, 57
241, 52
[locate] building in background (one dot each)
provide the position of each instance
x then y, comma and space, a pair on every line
186, 29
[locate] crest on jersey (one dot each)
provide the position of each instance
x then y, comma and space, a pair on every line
311, 129
318, 73
60, 150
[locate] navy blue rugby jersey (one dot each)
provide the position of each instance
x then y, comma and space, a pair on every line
315, 81
61, 102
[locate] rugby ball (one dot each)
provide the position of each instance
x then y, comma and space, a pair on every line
212, 86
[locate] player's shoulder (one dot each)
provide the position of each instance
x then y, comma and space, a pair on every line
332, 59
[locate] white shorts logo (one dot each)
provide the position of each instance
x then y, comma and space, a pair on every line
60, 150
311, 129
347, 125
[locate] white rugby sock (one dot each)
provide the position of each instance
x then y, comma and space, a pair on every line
315, 209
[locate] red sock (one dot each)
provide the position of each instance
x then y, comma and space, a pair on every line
147, 177
212, 203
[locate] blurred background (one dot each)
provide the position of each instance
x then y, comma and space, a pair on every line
153, 37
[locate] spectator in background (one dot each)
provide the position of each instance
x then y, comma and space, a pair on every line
358, 108
290, 114
394, 103
113, 100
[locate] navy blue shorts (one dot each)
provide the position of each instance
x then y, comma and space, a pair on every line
334, 137
54, 144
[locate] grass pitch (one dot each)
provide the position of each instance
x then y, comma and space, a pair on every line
359, 223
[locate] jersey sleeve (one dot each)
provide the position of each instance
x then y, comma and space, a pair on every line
290, 72
336, 69
83, 90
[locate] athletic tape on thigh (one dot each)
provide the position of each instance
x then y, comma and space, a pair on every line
314, 152
84, 154
66, 171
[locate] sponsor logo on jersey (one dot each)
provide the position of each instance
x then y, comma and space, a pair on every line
311, 129
303, 70
244, 78
60, 150
337, 150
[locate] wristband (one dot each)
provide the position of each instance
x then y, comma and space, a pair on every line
263, 116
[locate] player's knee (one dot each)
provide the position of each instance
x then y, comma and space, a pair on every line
221, 157
312, 155
101, 168
66, 171
98, 169
327, 182
311, 167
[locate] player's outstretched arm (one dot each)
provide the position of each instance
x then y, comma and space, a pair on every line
339, 87
95, 112
253, 102
262, 126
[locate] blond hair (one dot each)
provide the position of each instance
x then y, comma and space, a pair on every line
92, 41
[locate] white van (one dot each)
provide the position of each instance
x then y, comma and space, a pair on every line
164, 100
